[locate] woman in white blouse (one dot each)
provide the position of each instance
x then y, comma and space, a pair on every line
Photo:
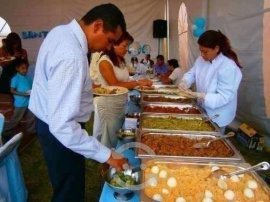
217, 76
109, 69
176, 74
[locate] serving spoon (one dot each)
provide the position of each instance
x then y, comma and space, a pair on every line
223, 174
202, 145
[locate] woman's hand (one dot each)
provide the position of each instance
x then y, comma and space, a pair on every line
145, 82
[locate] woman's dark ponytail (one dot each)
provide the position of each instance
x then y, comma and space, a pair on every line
212, 38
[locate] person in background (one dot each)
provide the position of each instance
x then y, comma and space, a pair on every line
217, 76
61, 99
176, 73
133, 66
109, 69
20, 87
134, 62
10, 53
147, 61
160, 67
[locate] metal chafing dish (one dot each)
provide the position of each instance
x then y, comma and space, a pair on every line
159, 89
183, 108
199, 179
140, 153
215, 128
167, 98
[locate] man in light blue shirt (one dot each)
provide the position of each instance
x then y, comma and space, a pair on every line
160, 67
62, 99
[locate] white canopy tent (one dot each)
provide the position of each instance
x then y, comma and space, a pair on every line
245, 22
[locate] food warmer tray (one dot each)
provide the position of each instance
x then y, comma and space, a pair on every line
175, 164
180, 106
142, 154
215, 131
173, 98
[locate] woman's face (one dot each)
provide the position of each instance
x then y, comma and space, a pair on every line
209, 54
121, 49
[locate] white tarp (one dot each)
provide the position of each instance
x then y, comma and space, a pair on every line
34, 18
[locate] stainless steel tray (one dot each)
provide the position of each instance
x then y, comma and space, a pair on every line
199, 180
215, 131
172, 97
172, 105
142, 154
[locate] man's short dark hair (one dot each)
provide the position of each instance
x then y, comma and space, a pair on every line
161, 57
173, 62
109, 14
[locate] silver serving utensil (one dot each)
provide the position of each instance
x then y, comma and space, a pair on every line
130, 171
223, 174
202, 145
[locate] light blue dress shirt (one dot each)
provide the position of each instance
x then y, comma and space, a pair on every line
220, 81
61, 95
21, 83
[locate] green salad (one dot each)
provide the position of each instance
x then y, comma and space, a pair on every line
119, 179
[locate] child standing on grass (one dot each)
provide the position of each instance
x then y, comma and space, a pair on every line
20, 87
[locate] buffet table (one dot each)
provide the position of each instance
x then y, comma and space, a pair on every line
171, 134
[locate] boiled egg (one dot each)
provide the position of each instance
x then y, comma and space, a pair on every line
171, 182
163, 174
180, 199
208, 194
252, 184
222, 184
234, 178
207, 199
229, 195
248, 193
165, 191
214, 168
152, 182
155, 169
157, 197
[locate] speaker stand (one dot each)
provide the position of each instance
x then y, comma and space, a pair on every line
158, 46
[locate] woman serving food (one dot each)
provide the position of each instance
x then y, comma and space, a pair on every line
217, 76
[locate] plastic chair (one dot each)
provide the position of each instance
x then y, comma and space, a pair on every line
12, 187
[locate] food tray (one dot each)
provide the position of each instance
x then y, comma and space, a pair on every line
159, 98
192, 180
172, 108
184, 146
173, 121
159, 89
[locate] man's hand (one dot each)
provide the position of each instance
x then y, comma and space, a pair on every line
183, 86
117, 161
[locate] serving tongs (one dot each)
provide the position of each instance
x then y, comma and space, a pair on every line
130, 171
202, 145
223, 174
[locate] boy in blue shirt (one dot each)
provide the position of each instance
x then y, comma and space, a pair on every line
20, 87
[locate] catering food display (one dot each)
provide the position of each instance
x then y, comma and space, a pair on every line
153, 98
181, 146
176, 122
171, 108
175, 168
175, 181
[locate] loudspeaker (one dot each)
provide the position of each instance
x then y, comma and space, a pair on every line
160, 29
